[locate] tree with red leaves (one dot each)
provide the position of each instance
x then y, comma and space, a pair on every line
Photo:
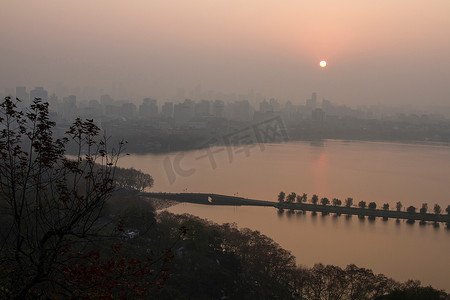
50, 212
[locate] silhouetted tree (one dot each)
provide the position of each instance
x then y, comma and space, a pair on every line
424, 208
448, 209
50, 203
218, 261
349, 202
399, 206
314, 199
132, 179
336, 202
291, 197
362, 204
304, 197
55, 241
437, 209
372, 205
324, 201
411, 209
412, 290
281, 197
386, 206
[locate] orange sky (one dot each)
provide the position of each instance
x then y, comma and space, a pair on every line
377, 51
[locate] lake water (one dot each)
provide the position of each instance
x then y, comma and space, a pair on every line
369, 171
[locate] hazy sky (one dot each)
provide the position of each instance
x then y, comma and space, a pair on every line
392, 52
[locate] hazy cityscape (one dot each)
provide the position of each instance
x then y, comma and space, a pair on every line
224, 150
189, 124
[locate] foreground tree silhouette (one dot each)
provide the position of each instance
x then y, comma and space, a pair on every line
50, 209
48, 202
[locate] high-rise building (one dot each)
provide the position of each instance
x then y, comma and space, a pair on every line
95, 109
148, 108
265, 106
183, 112
312, 103
275, 104
219, 108
39, 92
129, 110
327, 106
106, 100
318, 115
203, 108
70, 107
53, 102
241, 111
167, 110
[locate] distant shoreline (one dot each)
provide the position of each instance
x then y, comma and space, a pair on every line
318, 143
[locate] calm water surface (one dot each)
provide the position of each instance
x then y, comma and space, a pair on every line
369, 171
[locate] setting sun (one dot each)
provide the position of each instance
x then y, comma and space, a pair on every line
323, 64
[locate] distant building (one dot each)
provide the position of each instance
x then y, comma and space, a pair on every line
167, 110
219, 108
112, 110
312, 103
275, 104
39, 92
203, 108
129, 110
318, 115
106, 100
291, 113
53, 103
70, 107
267, 110
327, 106
148, 108
241, 111
183, 112
94, 108
265, 107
